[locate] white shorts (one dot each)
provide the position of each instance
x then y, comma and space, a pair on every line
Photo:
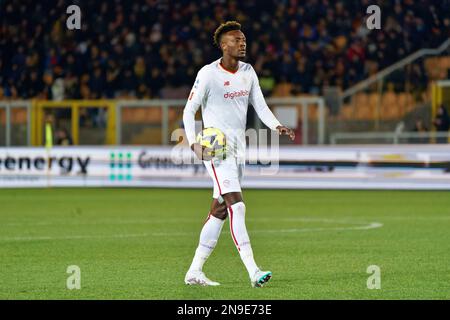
226, 175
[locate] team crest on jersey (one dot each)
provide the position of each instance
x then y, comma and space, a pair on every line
226, 83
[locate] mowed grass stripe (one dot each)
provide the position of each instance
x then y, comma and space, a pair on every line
411, 248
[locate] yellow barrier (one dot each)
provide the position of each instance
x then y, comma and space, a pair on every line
440, 94
38, 111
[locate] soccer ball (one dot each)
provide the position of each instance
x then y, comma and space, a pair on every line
214, 139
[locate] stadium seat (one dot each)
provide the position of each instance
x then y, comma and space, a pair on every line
389, 107
313, 113
431, 68
147, 136
347, 112
360, 99
405, 101
365, 112
361, 106
437, 68
373, 100
175, 114
19, 116
340, 42
282, 90
153, 115
142, 115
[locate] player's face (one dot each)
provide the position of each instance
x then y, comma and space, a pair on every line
234, 44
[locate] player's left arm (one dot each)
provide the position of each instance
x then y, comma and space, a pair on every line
258, 102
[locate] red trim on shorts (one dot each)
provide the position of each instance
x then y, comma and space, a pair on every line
231, 228
215, 175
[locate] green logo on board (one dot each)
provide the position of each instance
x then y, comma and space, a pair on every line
120, 166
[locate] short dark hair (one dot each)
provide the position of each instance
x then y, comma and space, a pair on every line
224, 28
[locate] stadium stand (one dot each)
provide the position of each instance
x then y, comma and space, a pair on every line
153, 49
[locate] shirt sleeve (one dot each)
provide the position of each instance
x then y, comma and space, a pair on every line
259, 104
197, 96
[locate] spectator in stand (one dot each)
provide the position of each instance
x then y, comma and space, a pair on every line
419, 127
142, 47
63, 138
442, 123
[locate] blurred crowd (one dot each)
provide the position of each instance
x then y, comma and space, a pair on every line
153, 49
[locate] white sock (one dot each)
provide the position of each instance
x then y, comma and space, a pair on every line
208, 240
240, 236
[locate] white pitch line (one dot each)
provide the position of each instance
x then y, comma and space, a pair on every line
98, 222
343, 220
168, 220
371, 225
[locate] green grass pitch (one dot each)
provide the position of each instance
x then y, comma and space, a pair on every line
138, 244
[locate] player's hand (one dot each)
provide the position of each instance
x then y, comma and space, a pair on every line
282, 130
201, 152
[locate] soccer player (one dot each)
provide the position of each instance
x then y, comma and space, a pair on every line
224, 89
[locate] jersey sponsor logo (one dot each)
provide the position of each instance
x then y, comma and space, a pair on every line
236, 94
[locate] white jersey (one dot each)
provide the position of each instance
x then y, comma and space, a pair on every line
224, 97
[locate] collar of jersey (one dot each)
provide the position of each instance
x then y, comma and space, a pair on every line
223, 68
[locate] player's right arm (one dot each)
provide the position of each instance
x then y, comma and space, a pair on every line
262, 109
198, 95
